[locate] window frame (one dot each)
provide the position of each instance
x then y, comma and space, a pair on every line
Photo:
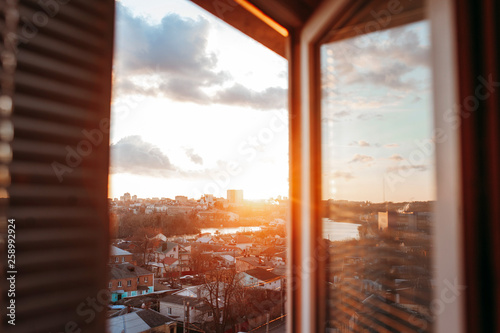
307, 299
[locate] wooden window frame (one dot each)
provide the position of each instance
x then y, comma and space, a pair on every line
306, 269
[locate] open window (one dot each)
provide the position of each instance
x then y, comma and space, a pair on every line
54, 104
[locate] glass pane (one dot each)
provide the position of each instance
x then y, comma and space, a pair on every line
198, 174
378, 180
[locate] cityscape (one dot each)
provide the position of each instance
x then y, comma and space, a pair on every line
220, 265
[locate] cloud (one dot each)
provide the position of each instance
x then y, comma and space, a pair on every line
133, 155
382, 59
406, 167
396, 157
360, 143
270, 98
368, 116
174, 56
195, 158
177, 46
361, 159
391, 145
342, 174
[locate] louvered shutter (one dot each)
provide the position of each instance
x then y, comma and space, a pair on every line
59, 166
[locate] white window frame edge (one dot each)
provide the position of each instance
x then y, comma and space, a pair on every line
447, 238
303, 268
448, 230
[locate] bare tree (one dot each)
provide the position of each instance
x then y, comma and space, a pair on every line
145, 242
200, 262
223, 293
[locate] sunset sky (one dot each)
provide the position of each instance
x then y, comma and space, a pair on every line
198, 108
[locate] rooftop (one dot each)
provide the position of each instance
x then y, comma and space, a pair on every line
126, 270
139, 321
261, 274
116, 251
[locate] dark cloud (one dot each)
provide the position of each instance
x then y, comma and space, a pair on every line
175, 53
195, 158
270, 98
175, 50
133, 155
177, 46
358, 158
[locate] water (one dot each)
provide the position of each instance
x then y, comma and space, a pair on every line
224, 231
339, 231
334, 231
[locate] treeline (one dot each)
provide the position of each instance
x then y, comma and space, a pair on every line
169, 225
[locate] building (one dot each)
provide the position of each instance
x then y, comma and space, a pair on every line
166, 249
141, 321
129, 280
235, 197
119, 256
209, 198
260, 278
411, 221
174, 306
126, 197
243, 242
180, 199
246, 263
184, 256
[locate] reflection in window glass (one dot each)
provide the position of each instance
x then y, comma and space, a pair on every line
378, 180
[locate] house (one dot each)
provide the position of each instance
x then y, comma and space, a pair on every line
246, 263
129, 280
173, 307
161, 209
118, 255
192, 291
160, 237
205, 239
169, 265
242, 241
184, 256
166, 249
229, 260
161, 268
260, 278
139, 321
150, 209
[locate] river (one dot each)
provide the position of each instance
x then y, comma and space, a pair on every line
332, 230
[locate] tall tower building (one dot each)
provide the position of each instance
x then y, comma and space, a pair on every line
235, 197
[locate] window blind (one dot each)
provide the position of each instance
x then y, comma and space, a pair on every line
59, 165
